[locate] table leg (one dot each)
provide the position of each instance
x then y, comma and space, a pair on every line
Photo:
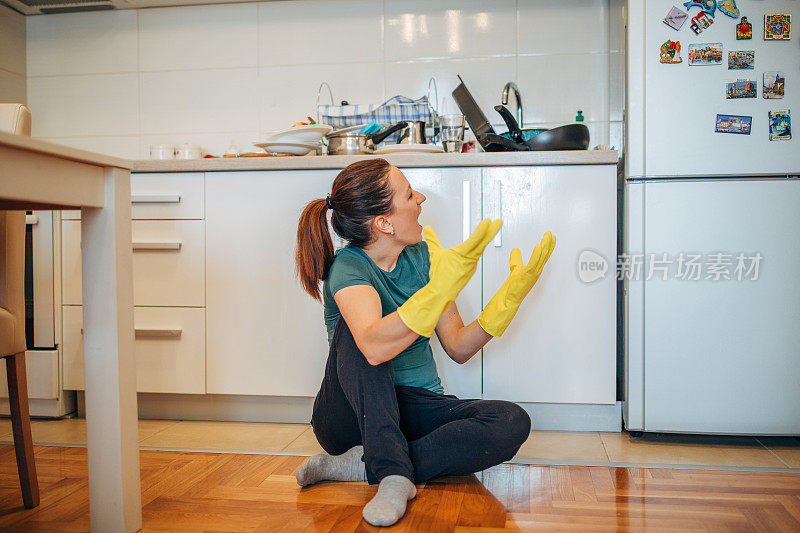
115, 499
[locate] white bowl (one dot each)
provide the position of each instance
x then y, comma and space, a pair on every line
310, 134
280, 147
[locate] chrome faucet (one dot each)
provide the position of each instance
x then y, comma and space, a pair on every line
517, 97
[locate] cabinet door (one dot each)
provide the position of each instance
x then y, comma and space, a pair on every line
720, 355
561, 346
265, 335
453, 209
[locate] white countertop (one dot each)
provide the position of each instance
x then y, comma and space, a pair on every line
477, 159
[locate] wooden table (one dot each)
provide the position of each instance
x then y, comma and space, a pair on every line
35, 174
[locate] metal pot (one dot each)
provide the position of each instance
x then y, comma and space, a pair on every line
353, 142
414, 133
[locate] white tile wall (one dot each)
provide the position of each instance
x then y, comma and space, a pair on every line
421, 29
199, 100
12, 41
196, 37
82, 43
119, 81
320, 32
97, 104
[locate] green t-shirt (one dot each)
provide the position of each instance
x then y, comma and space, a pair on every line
414, 366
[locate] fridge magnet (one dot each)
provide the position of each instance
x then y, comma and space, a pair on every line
729, 8
741, 59
741, 89
733, 124
744, 30
774, 83
675, 18
671, 52
706, 6
780, 125
700, 22
777, 27
705, 54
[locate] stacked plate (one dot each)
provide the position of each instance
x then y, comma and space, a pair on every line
299, 140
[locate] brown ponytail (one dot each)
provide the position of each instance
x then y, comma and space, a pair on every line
359, 193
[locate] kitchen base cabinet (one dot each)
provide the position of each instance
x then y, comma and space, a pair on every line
561, 346
265, 335
169, 347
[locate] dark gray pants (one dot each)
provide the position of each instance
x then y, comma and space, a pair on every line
408, 431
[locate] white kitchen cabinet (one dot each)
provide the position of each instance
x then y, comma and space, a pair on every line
715, 355
266, 336
453, 209
561, 346
169, 347
168, 262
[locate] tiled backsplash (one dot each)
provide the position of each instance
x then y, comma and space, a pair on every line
116, 82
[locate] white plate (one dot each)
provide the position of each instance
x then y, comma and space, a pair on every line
410, 148
300, 134
286, 147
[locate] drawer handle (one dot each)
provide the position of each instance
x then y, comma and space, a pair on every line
156, 246
155, 332
155, 198
158, 332
31, 220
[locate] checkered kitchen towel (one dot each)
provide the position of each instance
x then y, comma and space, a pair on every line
391, 111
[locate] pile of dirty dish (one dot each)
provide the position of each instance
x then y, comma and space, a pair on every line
300, 139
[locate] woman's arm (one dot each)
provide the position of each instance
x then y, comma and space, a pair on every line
380, 339
459, 341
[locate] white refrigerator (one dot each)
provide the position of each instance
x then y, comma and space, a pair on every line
711, 260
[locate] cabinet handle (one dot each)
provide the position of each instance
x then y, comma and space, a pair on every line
465, 188
498, 191
155, 332
156, 246
158, 332
31, 220
155, 198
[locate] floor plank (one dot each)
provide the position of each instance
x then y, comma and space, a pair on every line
216, 492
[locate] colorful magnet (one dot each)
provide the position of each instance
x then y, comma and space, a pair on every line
734, 124
675, 18
700, 22
774, 84
706, 6
741, 59
671, 52
729, 8
741, 89
705, 54
778, 27
780, 125
744, 30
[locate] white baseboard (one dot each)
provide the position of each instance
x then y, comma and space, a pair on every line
575, 417
297, 410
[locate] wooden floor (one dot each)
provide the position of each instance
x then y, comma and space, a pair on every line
189, 491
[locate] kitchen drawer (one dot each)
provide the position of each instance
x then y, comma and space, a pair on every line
168, 196
169, 348
173, 195
168, 262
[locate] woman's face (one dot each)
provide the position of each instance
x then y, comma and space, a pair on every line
407, 208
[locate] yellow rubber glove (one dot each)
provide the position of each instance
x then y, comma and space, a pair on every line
451, 269
497, 315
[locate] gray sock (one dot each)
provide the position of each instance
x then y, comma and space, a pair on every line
345, 467
389, 504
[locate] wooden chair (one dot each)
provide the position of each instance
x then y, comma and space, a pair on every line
16, 119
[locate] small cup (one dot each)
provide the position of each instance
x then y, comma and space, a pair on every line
187, 151
162, 151
452, 132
